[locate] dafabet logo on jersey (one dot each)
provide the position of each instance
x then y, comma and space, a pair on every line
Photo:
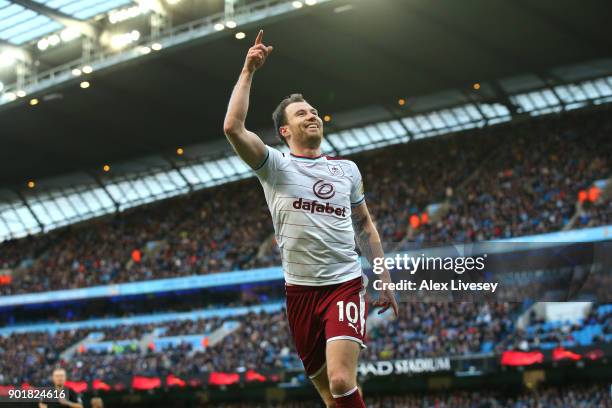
324, 190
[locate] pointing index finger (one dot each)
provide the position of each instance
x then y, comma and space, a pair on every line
259, 37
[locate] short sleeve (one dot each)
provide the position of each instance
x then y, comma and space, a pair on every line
270, 165
357, 194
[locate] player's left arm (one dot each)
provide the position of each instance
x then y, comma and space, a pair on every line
369, 243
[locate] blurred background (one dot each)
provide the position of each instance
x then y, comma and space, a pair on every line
137, 249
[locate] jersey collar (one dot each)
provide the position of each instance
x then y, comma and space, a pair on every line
306, 158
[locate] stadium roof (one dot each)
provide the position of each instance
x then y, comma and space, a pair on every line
341, 54
79, 196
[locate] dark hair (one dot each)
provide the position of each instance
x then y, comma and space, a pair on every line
279, 117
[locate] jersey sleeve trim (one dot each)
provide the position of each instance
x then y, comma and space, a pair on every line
358, 202
264, 160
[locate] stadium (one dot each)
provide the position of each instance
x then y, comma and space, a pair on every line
143, 260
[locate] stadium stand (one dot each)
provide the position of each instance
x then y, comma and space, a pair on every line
534, 185
441, 329
593, 329
261, 341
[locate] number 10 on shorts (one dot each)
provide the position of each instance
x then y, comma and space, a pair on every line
351, 311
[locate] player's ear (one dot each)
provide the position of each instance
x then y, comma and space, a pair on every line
284, 131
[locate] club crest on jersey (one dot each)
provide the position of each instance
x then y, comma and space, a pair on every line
335, 170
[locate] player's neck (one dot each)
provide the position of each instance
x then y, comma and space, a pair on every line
308, 152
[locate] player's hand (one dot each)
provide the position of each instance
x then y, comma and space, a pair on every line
386, 300
257, 54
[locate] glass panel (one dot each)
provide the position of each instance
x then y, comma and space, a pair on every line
374, 133
550, 97
337, 141
578, 93
140, 188
60, 3
473, 112
101, 8
495, 110
40, 212
239, 166
386, 132
173, 176
44, 29
165, 182
30, 21
523, 102
28, 221
6, 12
349, 140
10, 23
362, 136
448, 118
91, 201
13, 222
214, 171
590, 90
54, 212
104, 198
4, 231
226, 167
77, 203
326, 147
564, 93
196, 174
538, 100
424, 125
397, 128
412, 125
154, 186
79, 5
116, 190
437, 121
65, 207
604, 87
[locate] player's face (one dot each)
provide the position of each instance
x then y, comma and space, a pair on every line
59, 378
304, 125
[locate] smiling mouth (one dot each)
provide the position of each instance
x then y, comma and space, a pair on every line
312, 127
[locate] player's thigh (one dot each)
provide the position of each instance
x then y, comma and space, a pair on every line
342, 357
321, 383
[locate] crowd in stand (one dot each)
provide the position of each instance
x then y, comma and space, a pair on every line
440, 329
262, 342
531, 184
537, 335
495, 182
204, 233
29, 357
575, 396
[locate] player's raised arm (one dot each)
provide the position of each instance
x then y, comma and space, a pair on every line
246, 143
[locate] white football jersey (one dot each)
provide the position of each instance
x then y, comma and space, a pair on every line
310, 200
